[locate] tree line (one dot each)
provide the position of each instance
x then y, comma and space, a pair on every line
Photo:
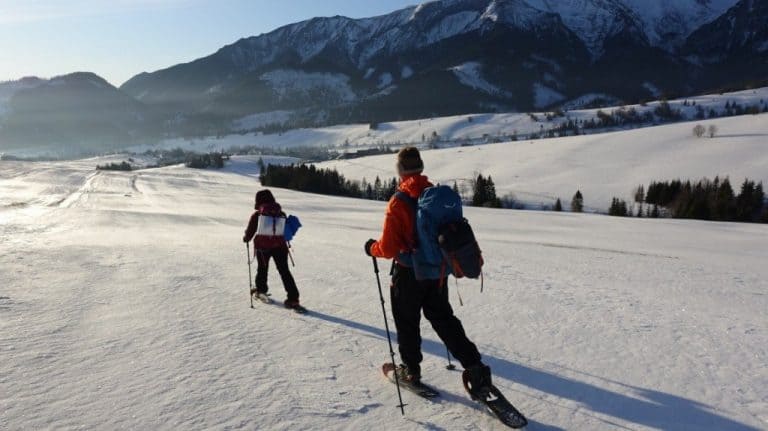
308, 178
122, 166
207, 160
703, 200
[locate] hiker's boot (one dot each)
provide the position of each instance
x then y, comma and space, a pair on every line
259, 294
291, 303
477, 381
407, 375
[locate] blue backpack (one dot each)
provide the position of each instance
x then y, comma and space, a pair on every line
445, 243
292, 225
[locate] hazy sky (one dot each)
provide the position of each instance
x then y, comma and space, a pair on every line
117, 39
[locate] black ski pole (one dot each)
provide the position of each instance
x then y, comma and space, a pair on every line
290, 254
250, 278
389, 339
450, 366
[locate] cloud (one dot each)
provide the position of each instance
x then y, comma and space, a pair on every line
19, 12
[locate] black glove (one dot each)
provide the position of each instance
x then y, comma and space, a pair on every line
368, 245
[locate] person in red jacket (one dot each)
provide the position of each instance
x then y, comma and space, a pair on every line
271, 245
410, 296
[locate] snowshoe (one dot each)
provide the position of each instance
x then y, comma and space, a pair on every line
407, 381
484, 392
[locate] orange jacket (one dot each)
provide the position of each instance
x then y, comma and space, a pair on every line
397, 235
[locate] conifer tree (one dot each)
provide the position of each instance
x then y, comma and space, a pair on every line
378, 193
558, 205
640, 194
479, 193
491, 199
577, 203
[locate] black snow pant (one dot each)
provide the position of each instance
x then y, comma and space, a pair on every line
280, 255
409, 297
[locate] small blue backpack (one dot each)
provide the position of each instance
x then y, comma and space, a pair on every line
445, 243
292, 225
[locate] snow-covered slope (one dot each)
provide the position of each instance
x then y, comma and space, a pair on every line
124, 305
453, 130
668, 22
601, 166
537, 172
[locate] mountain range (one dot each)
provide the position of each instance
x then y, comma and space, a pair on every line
438, 58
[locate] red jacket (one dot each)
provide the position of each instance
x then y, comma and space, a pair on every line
397, 235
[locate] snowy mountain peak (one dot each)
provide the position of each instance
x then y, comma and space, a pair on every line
668, 22
483, 55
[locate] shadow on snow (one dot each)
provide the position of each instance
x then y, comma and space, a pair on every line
656, 410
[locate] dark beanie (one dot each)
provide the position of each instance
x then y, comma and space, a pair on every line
264, 197
409, 161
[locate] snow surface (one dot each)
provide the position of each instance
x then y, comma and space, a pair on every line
654, 90
385, 80
665, 23
124, 305
601, 166
471, 75
675, 19
593, 21
544, 96
450, 25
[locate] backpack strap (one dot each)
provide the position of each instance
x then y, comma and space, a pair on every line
413, 203
405, 197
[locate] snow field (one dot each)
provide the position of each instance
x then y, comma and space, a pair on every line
602, 166
125, 305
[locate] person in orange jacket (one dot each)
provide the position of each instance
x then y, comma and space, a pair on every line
410, 296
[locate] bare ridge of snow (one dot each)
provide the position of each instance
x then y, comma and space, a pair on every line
450, 26
470, 74
591, 20
652, 89
385, 80
669, 22
545, 96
